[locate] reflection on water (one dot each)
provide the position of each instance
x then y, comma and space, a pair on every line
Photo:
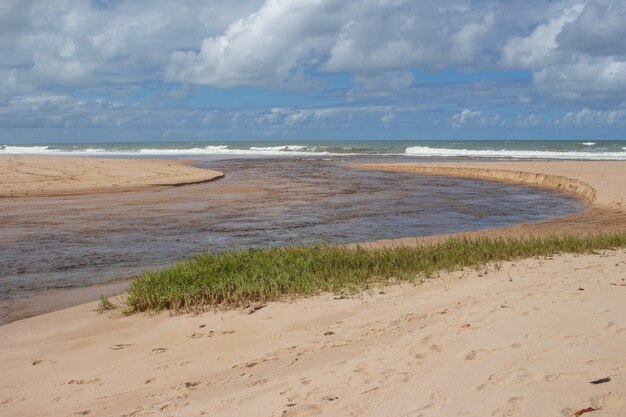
77, 241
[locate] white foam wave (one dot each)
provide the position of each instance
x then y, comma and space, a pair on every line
588, 143
14, 150
225, 150
517, 154
284, 148
296, 150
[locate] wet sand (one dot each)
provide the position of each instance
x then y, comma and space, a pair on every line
28, 176
518, 339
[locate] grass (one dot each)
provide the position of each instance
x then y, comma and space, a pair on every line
236, 279
104, 305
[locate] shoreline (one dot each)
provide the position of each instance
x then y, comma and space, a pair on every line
521, 338
51, 176
573, 177
598, 184
597, 218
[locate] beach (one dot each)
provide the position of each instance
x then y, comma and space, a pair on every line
514, 339
28, 176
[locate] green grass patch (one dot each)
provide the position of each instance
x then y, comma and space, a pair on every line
236, 279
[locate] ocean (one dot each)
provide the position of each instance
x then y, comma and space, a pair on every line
500, 149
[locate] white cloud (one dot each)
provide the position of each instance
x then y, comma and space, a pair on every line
379, 50
267, 46
462, 118
529, 120
537, 49
468, 41
587, 117
388, 118
61, 42
585, 78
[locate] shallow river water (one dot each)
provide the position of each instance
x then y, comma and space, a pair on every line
48, 244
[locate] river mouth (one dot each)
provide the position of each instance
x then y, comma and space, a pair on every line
51, 248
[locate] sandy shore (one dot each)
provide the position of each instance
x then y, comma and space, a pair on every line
27, 176
520, 339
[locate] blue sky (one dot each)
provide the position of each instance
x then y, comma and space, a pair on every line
107, 70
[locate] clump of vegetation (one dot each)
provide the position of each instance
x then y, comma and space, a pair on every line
236, 279
105, 305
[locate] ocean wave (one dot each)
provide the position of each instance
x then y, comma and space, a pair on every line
517, 154
295, 150
588, 143
23, 149
225, 150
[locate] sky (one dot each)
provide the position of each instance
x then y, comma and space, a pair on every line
167, 70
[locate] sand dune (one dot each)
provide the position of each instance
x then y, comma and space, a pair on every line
26, 176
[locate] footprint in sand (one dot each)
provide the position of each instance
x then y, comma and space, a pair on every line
169, 365
259, 382
436, 348
11, 400
496, 380
509, 409
158, 350
120, 346
83, 381
42, 361
530, 357
471, 355
211, 333
296, 410
191, 385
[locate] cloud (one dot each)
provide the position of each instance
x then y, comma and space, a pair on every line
538, 48
80, 42
157, 64
599, 30
469, 117
585, 78
528, 120
462, 118
288, 37
586, 116
268, 46
578, 55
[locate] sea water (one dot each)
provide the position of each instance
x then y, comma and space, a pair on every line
519, 149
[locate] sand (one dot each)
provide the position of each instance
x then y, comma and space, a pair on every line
522, 338
27, 176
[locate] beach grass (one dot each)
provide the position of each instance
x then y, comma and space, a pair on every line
241, 278
104, 305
